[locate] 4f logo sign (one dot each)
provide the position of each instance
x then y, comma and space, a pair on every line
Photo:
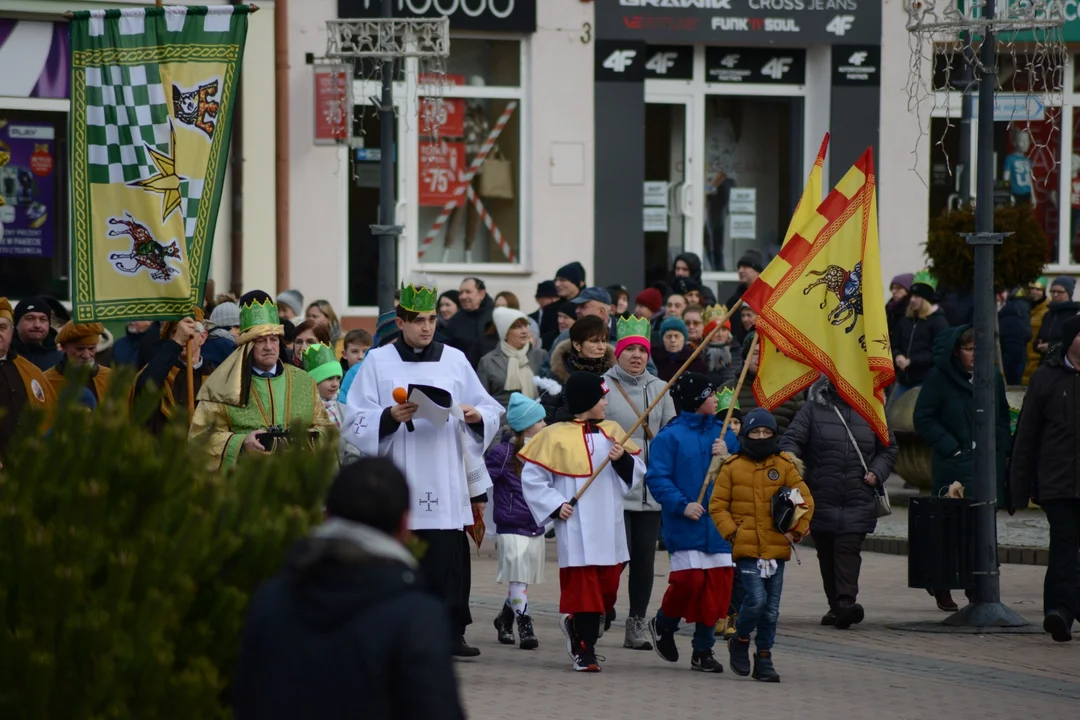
661, 62
777, 67
619, 60
840, 24
729, 61
857, 58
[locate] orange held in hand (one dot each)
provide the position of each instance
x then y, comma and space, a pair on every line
400, 396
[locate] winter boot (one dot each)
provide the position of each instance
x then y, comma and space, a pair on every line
705, 662
848, 613
763, 667
739, 655
504, 625
665, 642
635, 634
721, 627
729, 631
829, 618
526, 634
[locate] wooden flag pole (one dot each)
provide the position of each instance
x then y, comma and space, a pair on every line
727, 420
659, 396
188, 349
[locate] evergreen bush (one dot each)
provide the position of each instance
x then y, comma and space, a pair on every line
126, 567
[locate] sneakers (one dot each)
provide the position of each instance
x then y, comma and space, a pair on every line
1058, 625
636, 634
586, 661
739, 656
504, 625
763, 667
706, 662
664, 642
464, 650
848, 614
525, 632
566, 624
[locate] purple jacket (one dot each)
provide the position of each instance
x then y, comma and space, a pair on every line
511, 513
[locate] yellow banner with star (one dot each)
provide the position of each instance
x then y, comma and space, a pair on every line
153, 92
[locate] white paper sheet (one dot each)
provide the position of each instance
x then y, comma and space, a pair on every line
428, 409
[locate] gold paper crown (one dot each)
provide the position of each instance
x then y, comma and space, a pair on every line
420, 299
258, 313
632, 326
725, 399
714, 312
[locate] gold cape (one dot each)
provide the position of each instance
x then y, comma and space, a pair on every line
561, 448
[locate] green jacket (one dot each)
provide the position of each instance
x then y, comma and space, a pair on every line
945, 417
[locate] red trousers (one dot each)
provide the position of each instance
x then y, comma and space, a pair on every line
698, 596
590, 589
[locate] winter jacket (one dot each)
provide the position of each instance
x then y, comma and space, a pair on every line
1047, 443
895, 311
560, 372
784, 414
915, 340
708, 297
945, 417
492, 370
126, 349
667, 364
682, 452
219, 345
1056, 315
45, 356
741, 505
509, 510
1034, 357
642, 390
467, 327
341, 633
1014, 330
843, 502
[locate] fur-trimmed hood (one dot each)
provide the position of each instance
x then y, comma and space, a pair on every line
561, 354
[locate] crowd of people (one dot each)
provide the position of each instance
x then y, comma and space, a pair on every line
473, 399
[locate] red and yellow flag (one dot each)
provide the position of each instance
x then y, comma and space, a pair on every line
780, 375
810, 297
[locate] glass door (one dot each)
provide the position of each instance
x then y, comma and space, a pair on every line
669, 181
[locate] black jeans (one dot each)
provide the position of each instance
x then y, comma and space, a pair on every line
642, 532
1061, 587
447, 570
840, 559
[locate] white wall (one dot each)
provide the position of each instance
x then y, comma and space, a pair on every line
903, 197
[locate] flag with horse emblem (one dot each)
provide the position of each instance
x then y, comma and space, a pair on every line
811, 296
152, 101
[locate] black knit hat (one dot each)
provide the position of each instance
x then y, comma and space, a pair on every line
752, 259
38, 304
582, 391
574, 272
691, 390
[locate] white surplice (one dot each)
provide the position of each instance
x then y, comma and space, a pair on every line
595, 534
432, 457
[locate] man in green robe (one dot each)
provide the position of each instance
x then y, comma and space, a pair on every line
253, 390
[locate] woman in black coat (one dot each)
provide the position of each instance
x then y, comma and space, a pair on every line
843, 481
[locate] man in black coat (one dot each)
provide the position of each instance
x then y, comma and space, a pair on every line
469, 325
1044, 468
348, 630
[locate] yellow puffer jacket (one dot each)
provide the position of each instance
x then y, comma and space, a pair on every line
741, 505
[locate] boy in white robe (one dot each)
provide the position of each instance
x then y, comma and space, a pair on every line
442, 462
591, 535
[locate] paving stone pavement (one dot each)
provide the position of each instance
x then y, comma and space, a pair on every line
870, 671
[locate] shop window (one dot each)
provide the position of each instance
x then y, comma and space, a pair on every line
1026, 171
1071, 164
945, 166
34, 218
753, 171
485, 62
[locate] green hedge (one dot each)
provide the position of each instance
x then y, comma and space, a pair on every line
126, 567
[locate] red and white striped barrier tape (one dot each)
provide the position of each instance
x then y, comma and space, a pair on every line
490, 224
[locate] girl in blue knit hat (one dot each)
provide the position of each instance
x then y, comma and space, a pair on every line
520, 540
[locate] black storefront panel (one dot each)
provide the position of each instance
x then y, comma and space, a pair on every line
491, 15
768, 66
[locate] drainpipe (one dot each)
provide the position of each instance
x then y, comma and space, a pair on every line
236, 162
281, 144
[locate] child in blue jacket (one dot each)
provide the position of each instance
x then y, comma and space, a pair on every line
699, 586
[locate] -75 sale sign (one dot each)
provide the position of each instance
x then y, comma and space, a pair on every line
441, 167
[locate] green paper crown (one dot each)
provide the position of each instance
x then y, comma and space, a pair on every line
725, 398
418, 299
256, 313
321, 363
923, 277
1042, 282
632, 326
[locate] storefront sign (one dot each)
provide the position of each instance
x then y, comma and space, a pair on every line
494, 15
440, 171
743, 200
446, 114
669, 62
857, 65
790, 22
1012, 107
333, 104
771, 66
28, 185
742, 227
654, 219
656, 193
619, 61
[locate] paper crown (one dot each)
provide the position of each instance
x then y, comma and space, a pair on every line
923, 277
1042, 282
713, 313
725, 399
418, 298
632, 326
257, 308
321, 363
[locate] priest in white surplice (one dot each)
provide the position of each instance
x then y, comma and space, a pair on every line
443, 462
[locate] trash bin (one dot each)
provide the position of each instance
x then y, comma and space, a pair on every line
941, 543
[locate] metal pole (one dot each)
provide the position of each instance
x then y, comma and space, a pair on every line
386, 230
986, 608
964, 80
